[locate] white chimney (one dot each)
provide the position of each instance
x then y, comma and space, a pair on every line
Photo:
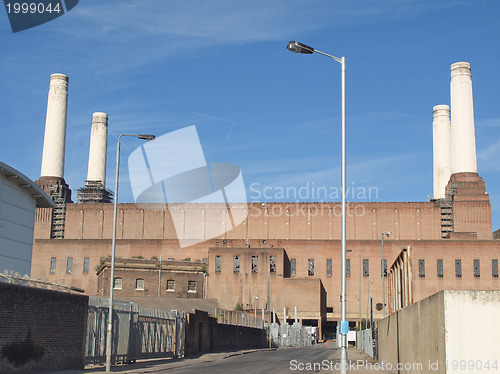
55, 127
441, 130
463, 139
98, 148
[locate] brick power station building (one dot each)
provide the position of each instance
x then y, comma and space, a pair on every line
282, 255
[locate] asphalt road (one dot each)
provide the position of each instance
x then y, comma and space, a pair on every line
283, 360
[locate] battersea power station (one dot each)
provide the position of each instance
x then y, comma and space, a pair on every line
269, 255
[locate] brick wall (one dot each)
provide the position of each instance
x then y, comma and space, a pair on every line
204, 334
41, 330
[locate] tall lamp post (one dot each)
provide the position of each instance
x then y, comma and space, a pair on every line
344, 325
109, 336
384, 269
255, 310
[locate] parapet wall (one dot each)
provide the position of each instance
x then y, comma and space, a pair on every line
448, 332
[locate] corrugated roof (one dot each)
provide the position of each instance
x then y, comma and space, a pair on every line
31, 188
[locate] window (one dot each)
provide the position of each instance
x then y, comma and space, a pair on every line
236, 264
86, 262
440, 268
421, 268
329, 267
255, 264
494, 268
310, 266
69, 265
192, 286
170, 285
293, 266
348, 267
366, 267
52, 265
117, 284
477, 270
218, 264
272, 264
205, 261
383, 267
139, 284
458, 268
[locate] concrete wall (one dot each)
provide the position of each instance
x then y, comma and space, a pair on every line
472, 329
450, 327
414, 336
41, 330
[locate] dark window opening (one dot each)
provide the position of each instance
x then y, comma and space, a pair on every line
310, 266
52, 265
494, 268
255, 264
293, 266
366, 267
383, 267
192, 286
440, 268
329, 267
348, 267
272, 264
236, 264
458, 268
86, 263
477, 271
421, 268
69, 265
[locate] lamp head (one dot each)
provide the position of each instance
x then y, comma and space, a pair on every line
297, 47
387, 233
146, 137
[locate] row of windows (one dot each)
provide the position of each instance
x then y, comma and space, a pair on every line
366, 266
139, 284
329, 267
458, 268
69, 265
254, 266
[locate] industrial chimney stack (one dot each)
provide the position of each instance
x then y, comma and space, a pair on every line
463, 139
442, 149
98, 148
95, 185
54, 144
465, 206
55, 128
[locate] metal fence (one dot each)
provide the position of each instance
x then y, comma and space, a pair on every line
365, 342
137, 332
294, 335
231, 317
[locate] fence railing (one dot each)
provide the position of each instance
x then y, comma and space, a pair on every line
137, 332
232, 317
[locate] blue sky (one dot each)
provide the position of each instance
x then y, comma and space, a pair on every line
158, 66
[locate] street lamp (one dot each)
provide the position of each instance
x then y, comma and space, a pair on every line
384, 275
255, 309
113, 248
368, 304
344, 325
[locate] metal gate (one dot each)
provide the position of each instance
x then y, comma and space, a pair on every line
137, 332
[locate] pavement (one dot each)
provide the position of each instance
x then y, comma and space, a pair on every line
160, 365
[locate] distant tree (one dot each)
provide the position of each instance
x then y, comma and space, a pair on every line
238, 307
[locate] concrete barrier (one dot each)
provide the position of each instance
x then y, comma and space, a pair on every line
448, 332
